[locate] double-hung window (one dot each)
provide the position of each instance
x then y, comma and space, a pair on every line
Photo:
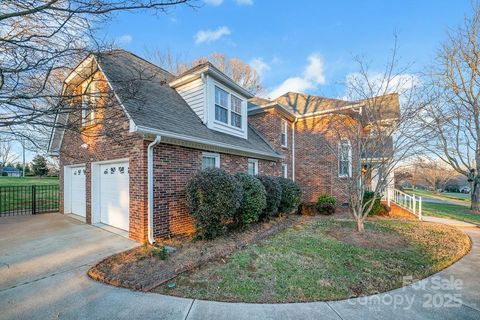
228, 108
210, 160
252, 167
344, 158
284, 133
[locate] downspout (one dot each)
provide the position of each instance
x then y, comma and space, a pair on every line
293, 148
157, 140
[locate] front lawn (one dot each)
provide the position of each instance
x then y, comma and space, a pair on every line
460, 198
453, 211
321, 259
27, 181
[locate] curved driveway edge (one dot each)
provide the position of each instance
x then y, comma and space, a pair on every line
44, 260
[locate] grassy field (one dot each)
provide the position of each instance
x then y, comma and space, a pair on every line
325, 260
27, 181
460, 198
454, 211
16, 195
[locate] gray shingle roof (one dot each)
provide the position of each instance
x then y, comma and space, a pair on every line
143, 90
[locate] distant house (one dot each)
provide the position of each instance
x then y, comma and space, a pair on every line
11, 172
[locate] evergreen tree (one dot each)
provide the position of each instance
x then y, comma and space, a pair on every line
39, 166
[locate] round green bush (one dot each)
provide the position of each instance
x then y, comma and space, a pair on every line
213, 197
291, 195
274, 196
254, 200
326, 204
377, 206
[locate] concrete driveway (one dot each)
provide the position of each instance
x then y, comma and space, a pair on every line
44, 260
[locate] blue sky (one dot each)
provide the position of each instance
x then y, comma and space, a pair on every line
297, 45
283, 38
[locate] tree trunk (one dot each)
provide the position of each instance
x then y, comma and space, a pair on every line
360, 225
475, 197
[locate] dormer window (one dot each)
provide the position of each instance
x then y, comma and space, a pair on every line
228, 108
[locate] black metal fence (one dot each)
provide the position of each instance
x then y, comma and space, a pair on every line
23, 200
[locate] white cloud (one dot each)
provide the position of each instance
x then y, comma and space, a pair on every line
211, 35
125, 39
245, 2
259, 65
214, 2
313, 76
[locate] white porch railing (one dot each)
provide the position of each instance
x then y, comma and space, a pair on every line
411, 203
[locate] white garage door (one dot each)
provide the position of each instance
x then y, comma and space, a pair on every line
114, 195
77, 190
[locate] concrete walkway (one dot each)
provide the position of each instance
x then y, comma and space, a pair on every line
44, 260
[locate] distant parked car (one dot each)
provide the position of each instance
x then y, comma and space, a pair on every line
465, 190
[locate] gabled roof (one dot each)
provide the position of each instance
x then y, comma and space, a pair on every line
155, 107
302, 104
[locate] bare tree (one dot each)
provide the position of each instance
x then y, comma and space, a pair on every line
372, 138
434, 173
6, 154
452, 119
40, 42
240, 72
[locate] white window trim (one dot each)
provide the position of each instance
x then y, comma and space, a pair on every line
216, 156
284, 132
255, 166
284, 170
349, 174
229, 108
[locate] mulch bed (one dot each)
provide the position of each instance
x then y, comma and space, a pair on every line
140, 269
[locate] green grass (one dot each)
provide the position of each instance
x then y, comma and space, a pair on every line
27, 181
16, 194
459, 198
305, 263
453, 211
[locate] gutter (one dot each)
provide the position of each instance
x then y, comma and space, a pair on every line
293, 148
157, 140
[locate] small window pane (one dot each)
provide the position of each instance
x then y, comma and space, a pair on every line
221, 114
236, 120
208, 162
252, 167
221, 97
284, 171
236, 105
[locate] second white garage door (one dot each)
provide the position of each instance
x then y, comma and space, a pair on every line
114, 195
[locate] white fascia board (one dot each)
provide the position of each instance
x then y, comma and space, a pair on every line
247, 151
273, 105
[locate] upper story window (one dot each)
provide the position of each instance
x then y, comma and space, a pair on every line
210, 160
252, 167
228, 108
344, 158
284, 133
90, 97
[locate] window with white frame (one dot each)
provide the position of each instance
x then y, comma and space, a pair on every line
90, 96
284, 170
252, 167
228, 108
210, 160
284, 133
344, 158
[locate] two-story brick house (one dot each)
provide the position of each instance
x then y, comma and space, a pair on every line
135, 134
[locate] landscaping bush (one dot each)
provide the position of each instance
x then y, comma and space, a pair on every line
253, 202
291, 195
308, 209
377, 206
213, 197
326, 204
274, 196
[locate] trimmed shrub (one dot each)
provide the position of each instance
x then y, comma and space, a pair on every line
377, 206
308, 209
213, 197
291, 195
253, 202
326, 204
274, 196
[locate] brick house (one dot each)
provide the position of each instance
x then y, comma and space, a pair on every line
134, 134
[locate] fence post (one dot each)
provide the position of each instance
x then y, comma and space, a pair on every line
414, 205
420, 208
388, 196
34, 201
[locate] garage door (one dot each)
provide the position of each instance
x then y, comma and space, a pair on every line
114, 195
77, 190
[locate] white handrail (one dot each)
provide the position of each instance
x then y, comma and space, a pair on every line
411, 203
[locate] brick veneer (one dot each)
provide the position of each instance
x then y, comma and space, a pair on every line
173, 167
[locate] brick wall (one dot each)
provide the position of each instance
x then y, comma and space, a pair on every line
108, 139
173, 167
